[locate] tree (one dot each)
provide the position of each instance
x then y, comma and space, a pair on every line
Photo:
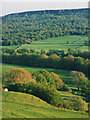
85, 88
86, 43
68, 42
17, 75
42, 51
70, 51
54, 56
59, 83
79, 79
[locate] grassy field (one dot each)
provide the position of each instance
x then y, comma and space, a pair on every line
64, 74
65, 94
59, 43
81, 41
62, 39
83, 48
76, 42
21, 105
12, 46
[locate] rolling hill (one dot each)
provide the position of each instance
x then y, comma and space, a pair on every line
26, 27
21, 105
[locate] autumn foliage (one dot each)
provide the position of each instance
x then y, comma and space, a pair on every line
17, 75
44, 56
1, 88
54, 56
79, 78
59, 83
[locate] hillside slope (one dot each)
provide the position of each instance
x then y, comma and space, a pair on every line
21, 105
23, 28
64, 74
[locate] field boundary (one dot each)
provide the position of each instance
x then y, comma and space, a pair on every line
19, 47
79, 40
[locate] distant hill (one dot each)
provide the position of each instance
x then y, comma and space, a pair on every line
26, 27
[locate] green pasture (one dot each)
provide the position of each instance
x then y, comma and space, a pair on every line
50, 46
62, 39
76, 42
81, 41
21, 105
12, 46
64, 74
75, 94
84, 48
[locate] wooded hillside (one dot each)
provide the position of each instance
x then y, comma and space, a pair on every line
26, 27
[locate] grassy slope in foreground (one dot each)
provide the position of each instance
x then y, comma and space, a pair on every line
21, 105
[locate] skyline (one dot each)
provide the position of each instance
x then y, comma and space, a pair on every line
17, 7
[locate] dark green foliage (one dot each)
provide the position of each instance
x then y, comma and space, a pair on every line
75, 103
68, 42
33, 60
87, 43
48, 76
57, 52
23, 50
65, 88
22, 28
48, 79
47, 94
82, 83
8, 50
39, 77
79, 79
42, 51
78, 53
59, 83
85, 88
51, 52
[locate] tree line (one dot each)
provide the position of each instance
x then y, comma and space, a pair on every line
53, 61
59, 53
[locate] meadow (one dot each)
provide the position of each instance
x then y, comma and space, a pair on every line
60, 43
21, 105
13, 46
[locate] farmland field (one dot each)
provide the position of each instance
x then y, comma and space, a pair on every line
58, 43
21, 105
76, 42
62, 39
83, 48
81, 41
13, 46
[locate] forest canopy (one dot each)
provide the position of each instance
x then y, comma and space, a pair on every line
26, 27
